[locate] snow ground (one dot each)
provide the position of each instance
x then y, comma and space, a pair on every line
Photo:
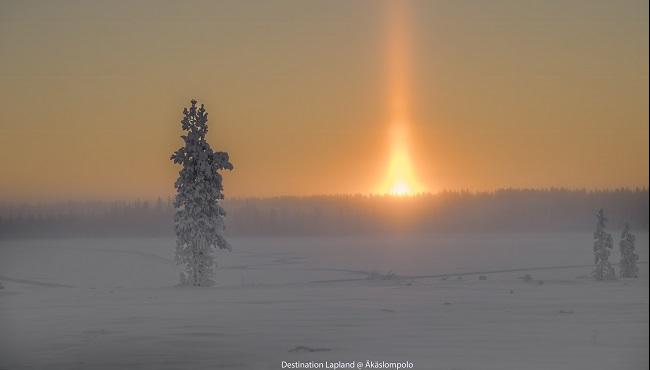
113, 304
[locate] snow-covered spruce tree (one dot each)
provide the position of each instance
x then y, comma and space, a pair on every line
199, 219
602, 244
629, 268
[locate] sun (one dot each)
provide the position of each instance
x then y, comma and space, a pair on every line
400, 189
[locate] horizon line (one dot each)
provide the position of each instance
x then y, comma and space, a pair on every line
642, 188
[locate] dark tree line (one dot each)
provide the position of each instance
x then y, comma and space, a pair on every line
509, 210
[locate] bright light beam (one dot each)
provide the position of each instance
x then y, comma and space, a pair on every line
400, 178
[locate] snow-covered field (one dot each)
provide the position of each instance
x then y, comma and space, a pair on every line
114, 304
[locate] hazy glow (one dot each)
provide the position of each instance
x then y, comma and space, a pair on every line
400, 188
400, 178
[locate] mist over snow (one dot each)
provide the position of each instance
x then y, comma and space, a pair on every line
501, 211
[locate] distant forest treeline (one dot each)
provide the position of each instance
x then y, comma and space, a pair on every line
509, 210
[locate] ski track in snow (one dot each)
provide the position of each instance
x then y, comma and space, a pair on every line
470, 273
286, 259
35, 282
152, 256
396, 277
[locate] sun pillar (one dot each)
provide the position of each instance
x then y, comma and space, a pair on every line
400, 178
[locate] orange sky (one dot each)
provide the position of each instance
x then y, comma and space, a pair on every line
323, 97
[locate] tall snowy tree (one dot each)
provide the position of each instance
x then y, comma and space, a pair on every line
199, 219
629, 268
602, 244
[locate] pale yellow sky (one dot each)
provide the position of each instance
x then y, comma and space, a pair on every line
500, 94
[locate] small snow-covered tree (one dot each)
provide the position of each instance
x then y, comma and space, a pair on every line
602, 244
199, 219
629, 268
